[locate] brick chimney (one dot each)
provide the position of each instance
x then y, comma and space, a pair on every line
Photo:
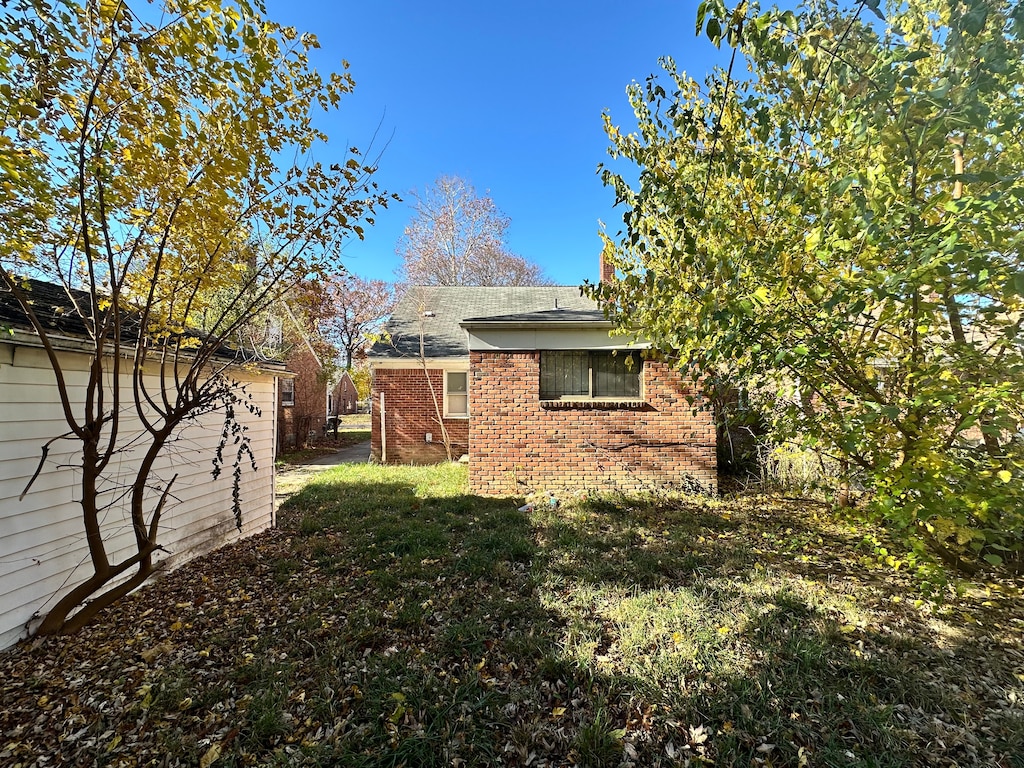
607, 270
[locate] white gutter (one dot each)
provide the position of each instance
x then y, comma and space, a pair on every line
61, 343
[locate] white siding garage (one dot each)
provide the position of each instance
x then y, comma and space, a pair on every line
43, 553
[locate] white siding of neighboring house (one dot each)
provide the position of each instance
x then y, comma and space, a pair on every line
43, 553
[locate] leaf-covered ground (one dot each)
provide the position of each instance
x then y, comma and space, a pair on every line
392, 619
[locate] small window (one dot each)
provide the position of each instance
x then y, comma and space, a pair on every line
456, 393
589, 375
287, 391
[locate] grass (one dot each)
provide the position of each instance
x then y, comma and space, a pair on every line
396, 620
347, 420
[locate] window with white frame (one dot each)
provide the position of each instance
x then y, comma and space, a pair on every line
287, 391
456, 394
597, 375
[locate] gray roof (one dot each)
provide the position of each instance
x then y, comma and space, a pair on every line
443, 335
53, 305
64, 312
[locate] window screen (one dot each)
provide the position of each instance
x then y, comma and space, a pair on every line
616, 376
566, 375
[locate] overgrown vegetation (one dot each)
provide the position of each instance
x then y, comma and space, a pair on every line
393, 619
832, 224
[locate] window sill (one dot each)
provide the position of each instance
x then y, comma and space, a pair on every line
462, 416
597, 403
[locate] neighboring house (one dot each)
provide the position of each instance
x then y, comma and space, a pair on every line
43, 551
343, 398
531, 386
303, 399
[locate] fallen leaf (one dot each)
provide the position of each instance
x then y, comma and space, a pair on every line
150, 654
210, 756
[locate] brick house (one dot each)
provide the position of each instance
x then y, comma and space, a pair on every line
344, 398
302, 398
531, 386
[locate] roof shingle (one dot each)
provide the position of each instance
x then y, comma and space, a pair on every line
438, 311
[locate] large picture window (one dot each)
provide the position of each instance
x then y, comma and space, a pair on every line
594, 375
456, 393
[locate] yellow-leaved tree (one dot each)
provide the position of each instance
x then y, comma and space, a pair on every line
838, 231
155, 158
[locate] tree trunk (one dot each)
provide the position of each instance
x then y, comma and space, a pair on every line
60, 619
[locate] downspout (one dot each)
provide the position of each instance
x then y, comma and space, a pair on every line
273, 461
383, 432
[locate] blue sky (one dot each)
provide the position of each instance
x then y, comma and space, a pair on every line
506, 95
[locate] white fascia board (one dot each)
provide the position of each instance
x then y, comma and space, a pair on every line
571, 325
527, 339
61, 343
21, 338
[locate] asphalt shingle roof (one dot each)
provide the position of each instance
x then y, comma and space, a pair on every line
60, 311
51, 303
452, 305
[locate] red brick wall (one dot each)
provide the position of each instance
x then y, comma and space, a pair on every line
345, 392
518, 446
410, 415
294, 422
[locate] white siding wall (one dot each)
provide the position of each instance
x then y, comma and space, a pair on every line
42, 541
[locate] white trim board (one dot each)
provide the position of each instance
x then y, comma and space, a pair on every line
528, 340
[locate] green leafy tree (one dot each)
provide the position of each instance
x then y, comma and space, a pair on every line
141, 147
838, 229
362, 379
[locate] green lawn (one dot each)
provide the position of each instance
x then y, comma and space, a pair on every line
394, 620
350, 419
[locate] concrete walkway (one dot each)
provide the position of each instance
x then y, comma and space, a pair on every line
352, 454
291, 480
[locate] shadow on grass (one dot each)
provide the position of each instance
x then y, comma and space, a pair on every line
395, 620
622, 631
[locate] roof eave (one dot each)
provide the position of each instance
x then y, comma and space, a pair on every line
546, 324
20, 337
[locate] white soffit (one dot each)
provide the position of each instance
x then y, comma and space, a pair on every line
524, 339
